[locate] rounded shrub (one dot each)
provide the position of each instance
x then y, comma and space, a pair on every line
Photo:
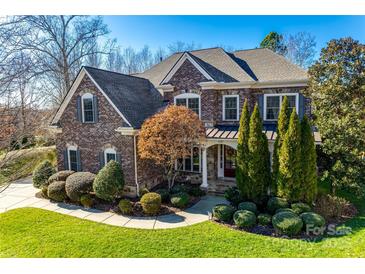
125, 206
179, 188
300, 208
151, 203
264, 219
41, 174
109, 182
250, 206
87, 200
285, 210
223, 212
78, 184
56, 191
196, 192
287, 223
179, 200
275, 203
164, 193
312, 219
45, 191
233, 196
60, 176
244, 218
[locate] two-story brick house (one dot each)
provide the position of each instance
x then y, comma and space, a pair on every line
100, 116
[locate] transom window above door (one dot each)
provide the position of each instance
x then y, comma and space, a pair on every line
272, 104
230, 107
189, 100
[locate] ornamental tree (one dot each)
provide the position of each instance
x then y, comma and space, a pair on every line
283, 123
309, 162
169, 136
275, 42
337, 89
242, 152
258, 164
290, 176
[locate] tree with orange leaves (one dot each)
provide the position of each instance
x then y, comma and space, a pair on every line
169, 136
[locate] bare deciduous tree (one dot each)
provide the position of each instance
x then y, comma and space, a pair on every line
301, 48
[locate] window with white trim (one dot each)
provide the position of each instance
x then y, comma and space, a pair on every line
230, 107
192, 162
109, 155
272, 104
189, 100
72, 158
87, 108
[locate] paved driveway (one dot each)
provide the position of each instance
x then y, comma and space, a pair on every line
22, 194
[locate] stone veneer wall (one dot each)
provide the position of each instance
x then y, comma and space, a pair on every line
93, 138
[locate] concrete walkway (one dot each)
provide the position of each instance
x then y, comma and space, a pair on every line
22, 194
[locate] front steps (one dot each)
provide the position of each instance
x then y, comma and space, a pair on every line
219, 186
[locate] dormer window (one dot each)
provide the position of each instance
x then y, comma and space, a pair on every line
189, 100
88, 108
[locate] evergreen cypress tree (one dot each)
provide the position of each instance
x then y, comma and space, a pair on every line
242, 152
283, 123
290, 177
309, 162
258, 170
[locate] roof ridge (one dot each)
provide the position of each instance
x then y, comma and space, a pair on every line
249, 49
115, 72
196, 50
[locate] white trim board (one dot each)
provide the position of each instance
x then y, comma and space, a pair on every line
179, 63
71, 92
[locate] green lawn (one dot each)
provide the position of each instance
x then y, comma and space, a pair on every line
24, 161
30, 232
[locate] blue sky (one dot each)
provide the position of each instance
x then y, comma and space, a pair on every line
240, 32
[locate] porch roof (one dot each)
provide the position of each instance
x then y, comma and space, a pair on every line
231, 132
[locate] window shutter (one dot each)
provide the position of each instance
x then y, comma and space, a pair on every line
260, 102
78, 109
101, 159
118, 158
79, 167
301, 109
96, 109
65, 159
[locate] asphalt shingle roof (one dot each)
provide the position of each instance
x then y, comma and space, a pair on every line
135, 97
255, 65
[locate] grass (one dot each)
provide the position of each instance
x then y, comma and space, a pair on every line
24, 161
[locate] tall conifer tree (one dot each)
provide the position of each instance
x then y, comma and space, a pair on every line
290, 166
258, 170
242, 152
309, 162
283, 123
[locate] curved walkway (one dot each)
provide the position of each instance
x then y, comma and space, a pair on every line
22, 194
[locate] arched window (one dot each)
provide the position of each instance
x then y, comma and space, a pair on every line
110, 154
189, 100
88, 108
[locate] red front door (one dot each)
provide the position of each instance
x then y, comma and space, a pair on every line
229, 161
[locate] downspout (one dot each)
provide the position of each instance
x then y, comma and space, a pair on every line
135, 164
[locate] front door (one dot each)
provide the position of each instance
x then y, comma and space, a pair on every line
229, 161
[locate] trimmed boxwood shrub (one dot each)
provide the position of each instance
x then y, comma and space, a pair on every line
287, 223
60, 176
165, 195
275, 203
179, 200
244, 218
78, 184
312, 219
45, 191
109, 182
151, 203
223, 212
56, 191
125, 206
264, 219
41, 174
86, 200
233, 196
250, 206
300, 208
285, 210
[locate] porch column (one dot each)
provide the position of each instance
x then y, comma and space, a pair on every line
204, 168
